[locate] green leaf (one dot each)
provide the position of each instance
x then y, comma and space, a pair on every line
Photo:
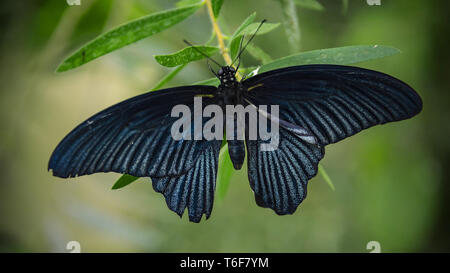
216, 6
123, 181
265, 28
184, 3
168, 77
244, 24
186, 55
259, 54
249, 30
340, 55
225, 171
309, 4
235, 39
126, 34
325, 177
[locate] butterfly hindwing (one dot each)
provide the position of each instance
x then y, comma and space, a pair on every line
332, 101
195, 189
279, 178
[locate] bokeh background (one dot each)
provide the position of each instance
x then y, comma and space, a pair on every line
392, 181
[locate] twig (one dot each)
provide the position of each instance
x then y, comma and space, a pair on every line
220, 37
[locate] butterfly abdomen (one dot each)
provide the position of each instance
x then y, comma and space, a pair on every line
236, 149
236, 146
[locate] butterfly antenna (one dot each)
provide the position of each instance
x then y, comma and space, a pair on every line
249, 40
240, 49
199, 51
211, 69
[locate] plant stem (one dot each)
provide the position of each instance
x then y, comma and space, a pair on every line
326, 177
219, 34
220, 38
291, 25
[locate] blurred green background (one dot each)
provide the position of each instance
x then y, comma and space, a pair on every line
392, 181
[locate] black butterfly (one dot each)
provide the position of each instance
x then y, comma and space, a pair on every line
318, 105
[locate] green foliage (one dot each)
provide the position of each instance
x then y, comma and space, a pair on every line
44, 22
149, 25
92, 21
225, 172
123, 181
216, 6
259, 54
248, 30
185, 56
250, 19
339, 55
326, 177
126, 34
184, 3
310, 4
168, 77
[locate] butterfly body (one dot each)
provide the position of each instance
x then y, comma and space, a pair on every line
230, 92
318, 105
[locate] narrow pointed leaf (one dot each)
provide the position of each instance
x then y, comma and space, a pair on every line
184, 3
265, 28
259, 54
123, 181
216, 6
325, 177
224, 173
340, 55
244, 24
126, 34
168, 77
249, 30
186, 55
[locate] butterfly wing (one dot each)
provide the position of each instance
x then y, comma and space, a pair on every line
279, 178
330, 102
132, 137
195, 189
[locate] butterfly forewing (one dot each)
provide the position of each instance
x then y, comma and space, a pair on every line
132, 137
334, 102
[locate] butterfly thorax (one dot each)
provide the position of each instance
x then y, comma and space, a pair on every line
230, 89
